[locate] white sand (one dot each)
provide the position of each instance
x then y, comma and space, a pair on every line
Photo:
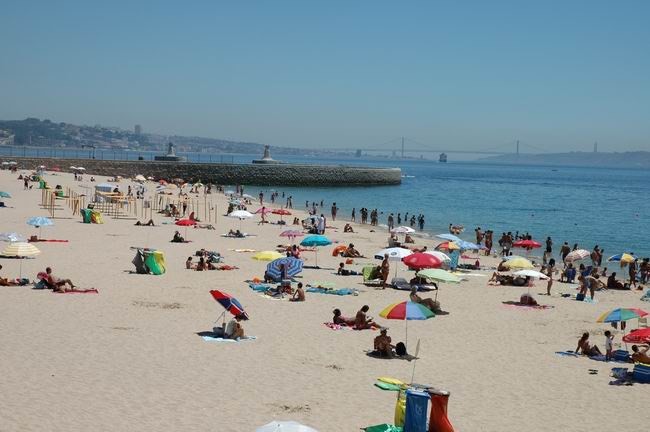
129, 358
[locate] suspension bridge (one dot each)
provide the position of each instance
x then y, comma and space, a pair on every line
401, 146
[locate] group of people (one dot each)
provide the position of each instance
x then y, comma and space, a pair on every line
639, 353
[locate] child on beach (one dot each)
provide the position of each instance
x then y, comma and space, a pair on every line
609, 338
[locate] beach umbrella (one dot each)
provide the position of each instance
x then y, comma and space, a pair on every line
12, 237
624, 258
284, 426
263, 210
449, 237
13, 163
39, 222
229, 303
638, 336
530, 273
140, 178
439, 275
247, 196
421, 260
465, 245
293, 266
267, 256
621, 314
281, 212
291, 234
402, 230
406, 311
448, 246
185, 223
4, 194
394, 254
241, 215
315, 241
441, 256
82, 169
577, 255
528, 244
518, 263
20, 250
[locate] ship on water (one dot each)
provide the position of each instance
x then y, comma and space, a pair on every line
443, 157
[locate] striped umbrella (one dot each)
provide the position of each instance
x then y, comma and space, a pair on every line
21, 250
621, 314
292, 265
229, 303
577, 255
624, 258
406, 311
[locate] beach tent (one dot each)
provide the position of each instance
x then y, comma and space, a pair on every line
149, 261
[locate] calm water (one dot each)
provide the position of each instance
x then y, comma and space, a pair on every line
588, 206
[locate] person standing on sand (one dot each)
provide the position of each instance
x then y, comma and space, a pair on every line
550, 269
353, 217
385, 271
334, 211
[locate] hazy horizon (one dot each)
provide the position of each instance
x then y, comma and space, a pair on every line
556, 76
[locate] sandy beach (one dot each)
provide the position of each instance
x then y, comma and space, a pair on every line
129, 357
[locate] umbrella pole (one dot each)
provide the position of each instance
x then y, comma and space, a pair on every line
21, 267
406, 342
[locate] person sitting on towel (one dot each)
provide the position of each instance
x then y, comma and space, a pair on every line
341, 320
299, 295
342, 271
362, 321
178, 238
7, 282
234, 329
585, 348
640, 354
351, 252
612, 283
348, 228
382, 344
430, 304
57, 284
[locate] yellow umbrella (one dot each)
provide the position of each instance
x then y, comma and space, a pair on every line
21, 249
518, 263
267, 256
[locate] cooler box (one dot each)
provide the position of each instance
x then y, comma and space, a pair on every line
641, 373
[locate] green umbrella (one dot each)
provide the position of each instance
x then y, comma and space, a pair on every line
439, 275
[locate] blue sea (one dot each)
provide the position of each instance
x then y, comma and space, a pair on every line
590, 206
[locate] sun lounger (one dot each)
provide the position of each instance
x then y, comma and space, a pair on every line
404, 285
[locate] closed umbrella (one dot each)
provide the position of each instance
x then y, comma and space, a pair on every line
21, 250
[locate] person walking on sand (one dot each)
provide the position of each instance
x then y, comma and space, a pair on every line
550, 269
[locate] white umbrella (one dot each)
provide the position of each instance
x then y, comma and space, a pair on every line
441, 256
12, 237
531, 273
82, 169
21, 250
248, 196
394, 254
72, 167
402, 230
140, 178
241, 215
229, 192
285, 426
577, 255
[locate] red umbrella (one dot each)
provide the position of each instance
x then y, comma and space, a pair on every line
527, 244
420, 260
229, 303
639, 336
185, 223
281, 212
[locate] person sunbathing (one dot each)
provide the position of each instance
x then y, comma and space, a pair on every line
341, 320
342, 271
7, 282
362, 321
585, 348
57, 284
348, 228
299, 295
235, 233
383, 345
429, 303
640, 354
178, 238
148, 223
501, 279
234, 329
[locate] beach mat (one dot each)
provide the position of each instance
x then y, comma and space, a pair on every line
222, 340
336, 327
374, 354
340, 292
600, 358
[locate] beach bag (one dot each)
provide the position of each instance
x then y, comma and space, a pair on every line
580, 297
400, 349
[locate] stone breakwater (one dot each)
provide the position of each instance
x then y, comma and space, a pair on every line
225, 174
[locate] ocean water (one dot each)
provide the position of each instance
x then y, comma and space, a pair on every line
588, 206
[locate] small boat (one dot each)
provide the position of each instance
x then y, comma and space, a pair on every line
443, 157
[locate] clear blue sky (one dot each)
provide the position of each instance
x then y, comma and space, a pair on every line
475, 74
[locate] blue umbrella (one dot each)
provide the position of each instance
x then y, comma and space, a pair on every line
292, 265
465, 245
39, 222
449, 237
316, 240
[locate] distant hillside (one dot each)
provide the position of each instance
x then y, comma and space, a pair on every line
46, 133
639, 159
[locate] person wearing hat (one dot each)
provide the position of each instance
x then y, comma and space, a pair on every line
351, 252
383, 344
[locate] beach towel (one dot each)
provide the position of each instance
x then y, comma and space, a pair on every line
600, 357
222, 340
260, 287
78, 291
333, 326
341, 291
